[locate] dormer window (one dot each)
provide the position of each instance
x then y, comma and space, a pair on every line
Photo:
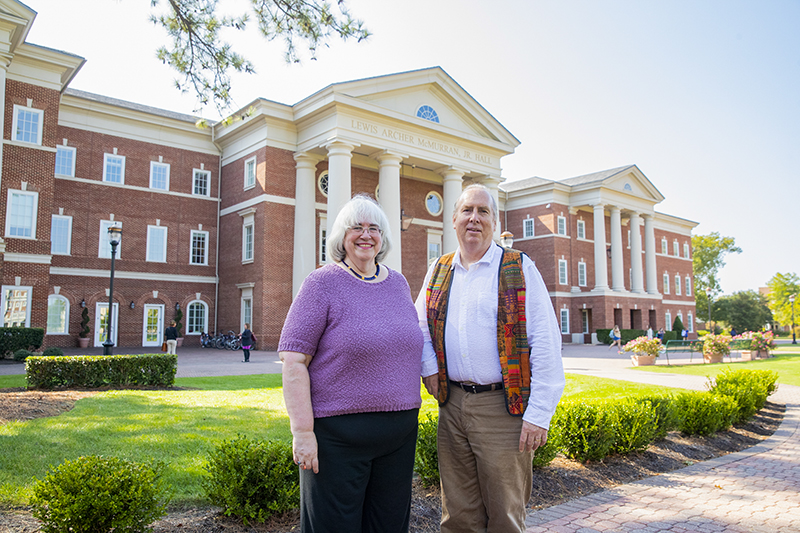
426, 112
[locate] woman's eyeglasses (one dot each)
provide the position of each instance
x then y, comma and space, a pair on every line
371, 230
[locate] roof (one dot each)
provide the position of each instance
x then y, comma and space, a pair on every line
131, 105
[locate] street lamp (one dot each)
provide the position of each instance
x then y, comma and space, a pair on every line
791, 300
506, 239
114, 236
708, 297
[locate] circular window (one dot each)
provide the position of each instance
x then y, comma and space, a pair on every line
378, 192
322, 183
433, 203
428, 113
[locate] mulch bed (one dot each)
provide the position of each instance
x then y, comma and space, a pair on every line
561, 481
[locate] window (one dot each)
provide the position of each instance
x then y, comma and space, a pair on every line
668, 320
114, 168
434, 251
196, 318
199, 254
104, 249
322, 183
156, 244
664, 245
581, 274
428, 113
584, 321
57, 314
159, 176
28, 124
65, 161
688, 286
562, 226
433, 203
201, 182
527, 228
690, 322
666, 283
677, 284
581, 229
250, 173
60, 235
562, 271
675, 249
16, 305
323, 255
247, 242
247, 311
565, 321
686, 250
21, 214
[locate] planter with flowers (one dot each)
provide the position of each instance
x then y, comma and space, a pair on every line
715, 347
759, 343
643, 350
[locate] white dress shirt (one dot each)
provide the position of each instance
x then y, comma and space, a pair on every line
471, 332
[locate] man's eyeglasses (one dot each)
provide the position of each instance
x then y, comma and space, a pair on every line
371, 230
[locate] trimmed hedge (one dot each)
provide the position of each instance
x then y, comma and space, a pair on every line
92, 371
13, 339
604, 335
749, 387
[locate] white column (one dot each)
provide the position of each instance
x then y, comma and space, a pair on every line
339, 187
637, 280
600, 262
305, 235
650, 255
4, 62
451, 190
493, 184
617, 268
389, 181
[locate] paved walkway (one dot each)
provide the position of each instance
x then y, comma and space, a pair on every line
756, 490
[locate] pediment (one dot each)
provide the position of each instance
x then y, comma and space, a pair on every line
635, 183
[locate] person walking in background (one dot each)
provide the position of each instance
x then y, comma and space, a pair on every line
493, 359
352, 353
247, 342
171, 335
616, 338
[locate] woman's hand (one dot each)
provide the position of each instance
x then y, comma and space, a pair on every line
304, 450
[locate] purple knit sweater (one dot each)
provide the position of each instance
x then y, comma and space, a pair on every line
364, 339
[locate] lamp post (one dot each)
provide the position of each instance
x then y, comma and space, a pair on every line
791, 300
506, 239
708, 297
114, 236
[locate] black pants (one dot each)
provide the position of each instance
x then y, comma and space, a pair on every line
246, 354
366, 463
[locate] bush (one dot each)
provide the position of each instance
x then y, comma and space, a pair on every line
750, 388
252, 480
604, 335
544, 455
85, 331
704, 413
585, 431
668, 417
13, 339
53, 351
97, 494
677, 325
155, 370
426, 456
21, 354
635, 423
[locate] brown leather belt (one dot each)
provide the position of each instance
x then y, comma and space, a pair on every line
475, 389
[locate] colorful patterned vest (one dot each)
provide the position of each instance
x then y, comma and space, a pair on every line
512, 337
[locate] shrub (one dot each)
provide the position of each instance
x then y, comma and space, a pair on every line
677, 325
53, 351
668, 417
252, 480
704, 413
635, 423
604, 335
97, 494
22, 354
585, 431
15, 338
750, 388
544, 455
156, 370
84, 333
426, 456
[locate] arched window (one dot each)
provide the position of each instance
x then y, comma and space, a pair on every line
57, 315
322, 183
197, 318
428, 113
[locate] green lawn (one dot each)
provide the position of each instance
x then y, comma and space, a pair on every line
786, 364
178, 427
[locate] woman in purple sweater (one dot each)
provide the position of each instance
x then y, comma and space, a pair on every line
352, 350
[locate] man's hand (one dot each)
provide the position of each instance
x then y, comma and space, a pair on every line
432, 384
532, 437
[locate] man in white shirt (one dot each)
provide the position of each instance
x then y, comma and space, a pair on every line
496, 370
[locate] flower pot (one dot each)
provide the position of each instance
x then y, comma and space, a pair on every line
763, 354
643, 360
83, 342
712, 357
749, 355
180, 342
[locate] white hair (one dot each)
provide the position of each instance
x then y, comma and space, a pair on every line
480, 187
361, 208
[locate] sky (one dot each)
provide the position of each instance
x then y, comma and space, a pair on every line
704, 97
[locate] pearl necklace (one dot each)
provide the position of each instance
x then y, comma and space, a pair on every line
359, 276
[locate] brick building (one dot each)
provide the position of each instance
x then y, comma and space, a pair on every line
223, 223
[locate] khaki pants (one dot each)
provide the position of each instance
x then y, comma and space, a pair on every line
486, 481
171, 345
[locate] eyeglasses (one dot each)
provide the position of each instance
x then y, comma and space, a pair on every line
371, 230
